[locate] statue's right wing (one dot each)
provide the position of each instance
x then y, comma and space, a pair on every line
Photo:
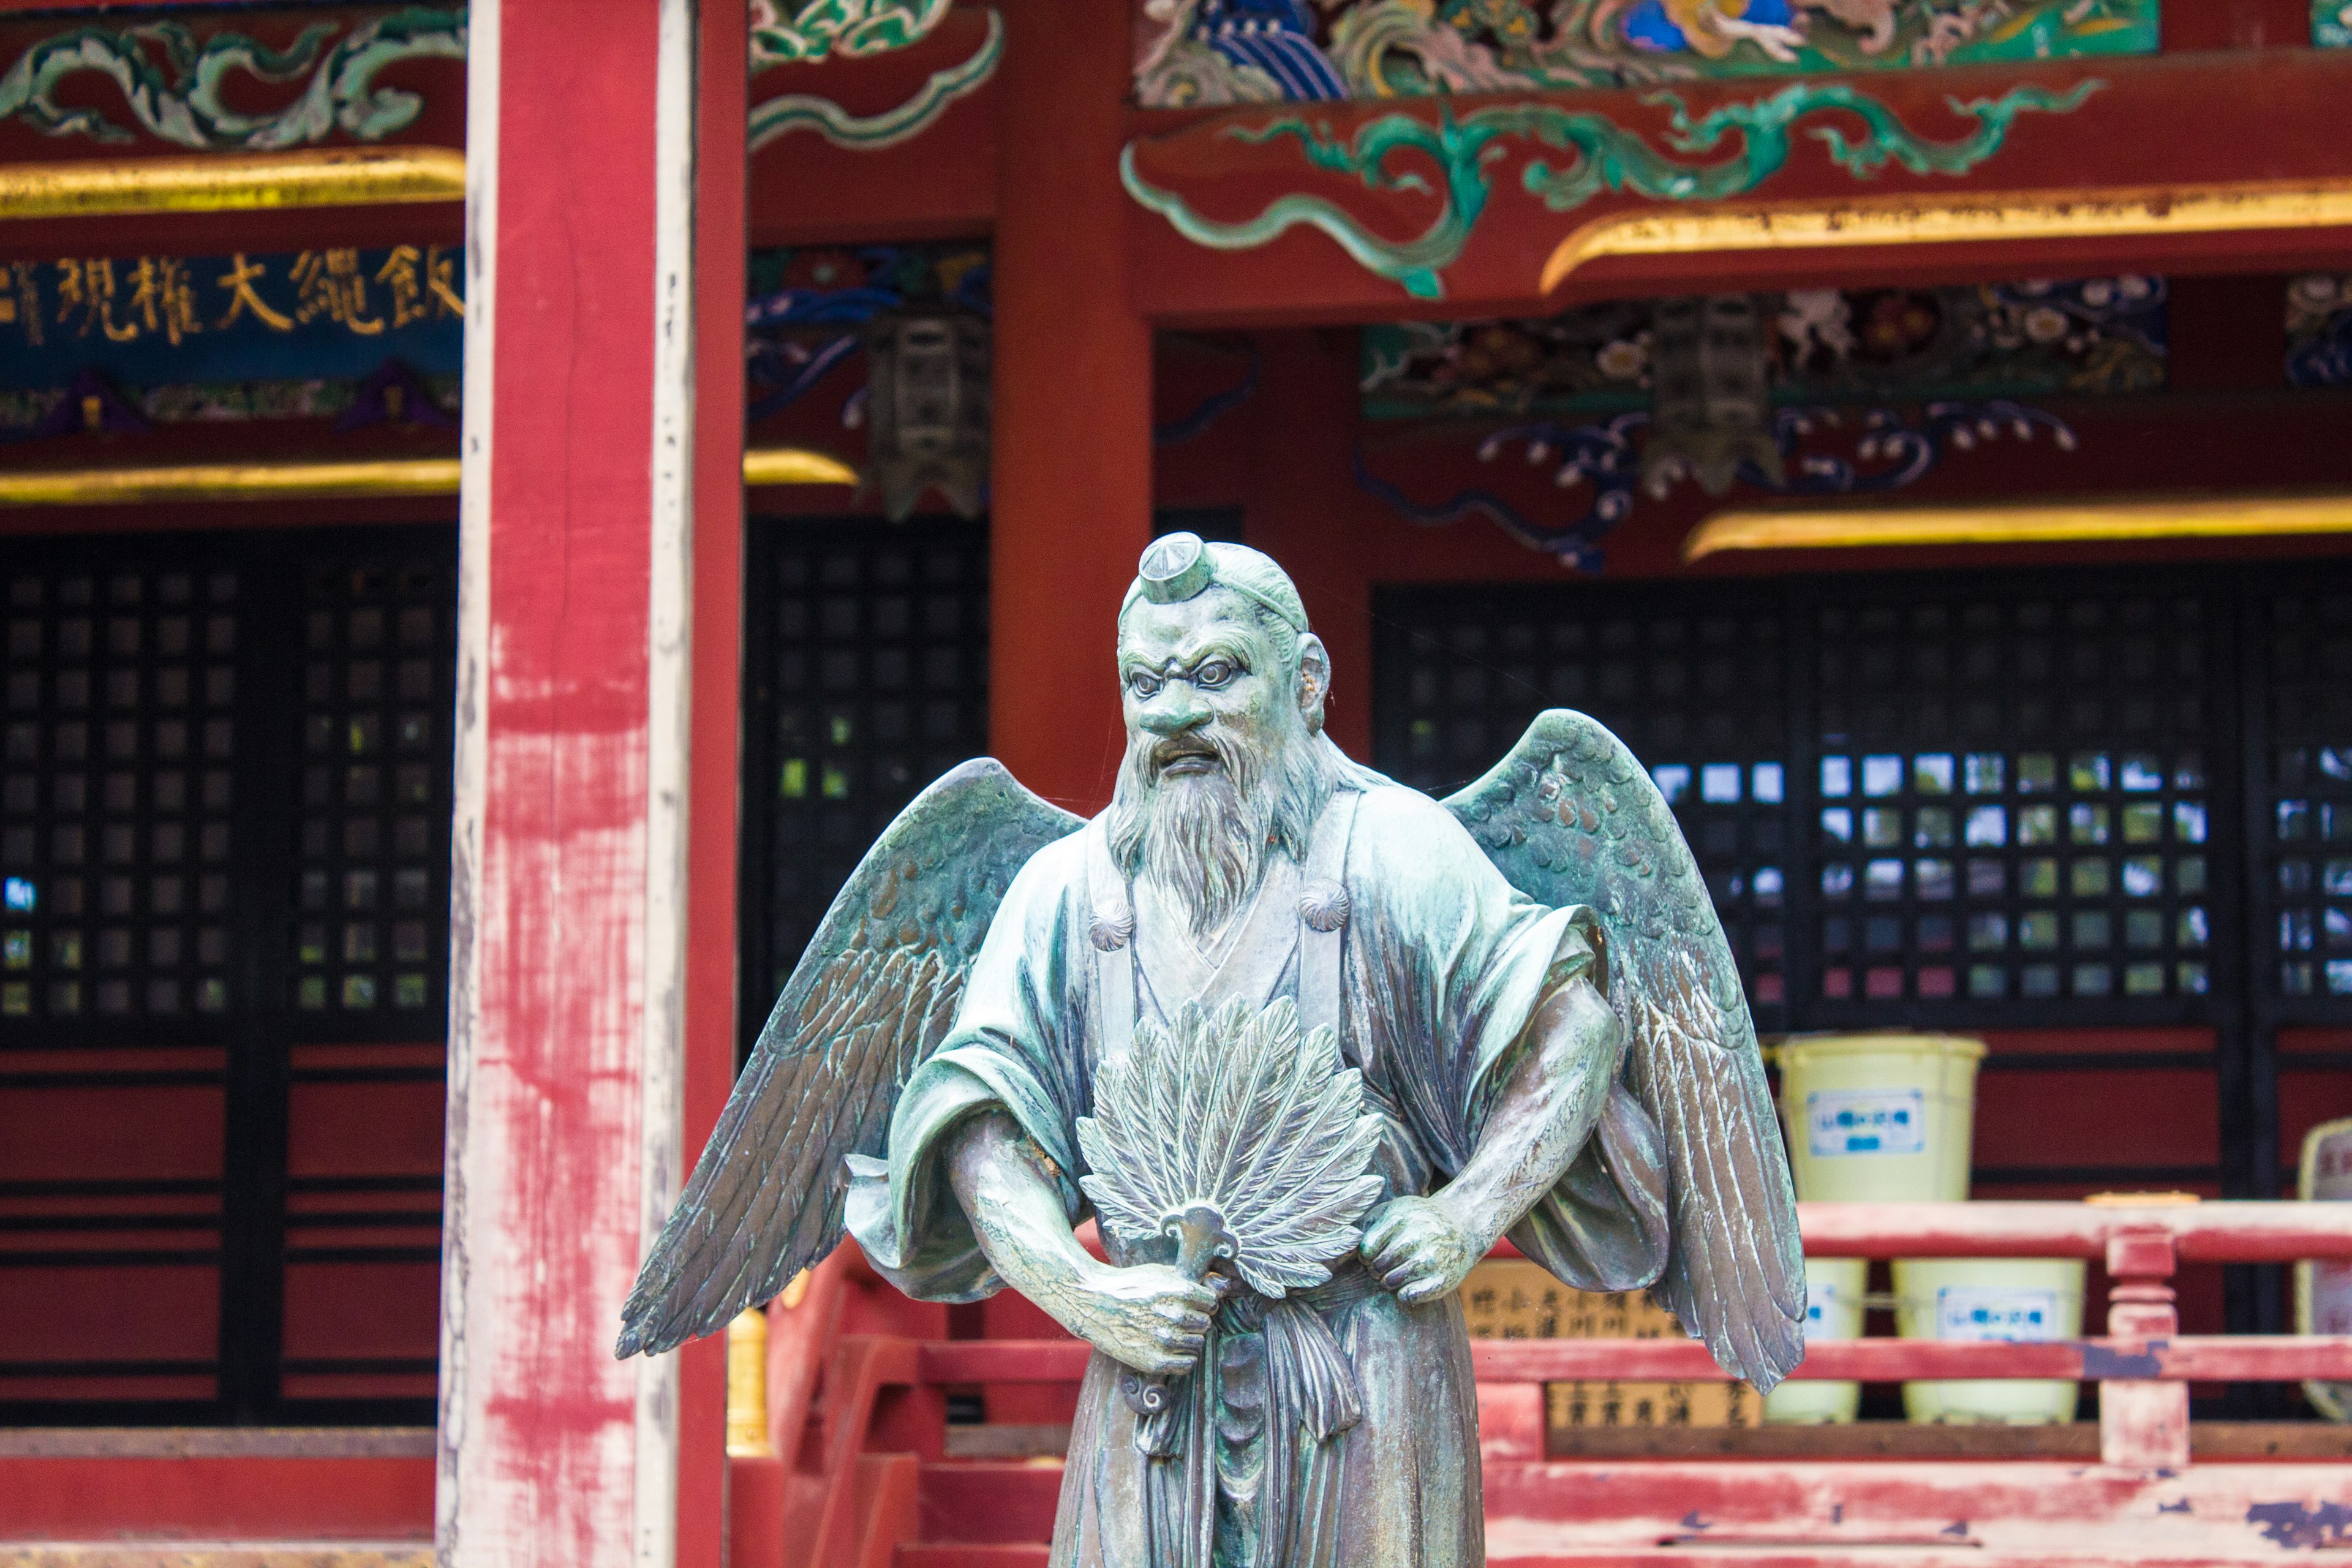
1570, 817
872, 998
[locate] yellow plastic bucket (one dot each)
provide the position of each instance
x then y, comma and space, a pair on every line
2323, 1290
1833, 1287
2012, 1299
1879, 1118
1885, 1118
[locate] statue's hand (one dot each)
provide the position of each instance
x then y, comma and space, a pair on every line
1151, 1317
1419, 1248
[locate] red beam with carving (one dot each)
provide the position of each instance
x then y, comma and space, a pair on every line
2273, 115
808, 189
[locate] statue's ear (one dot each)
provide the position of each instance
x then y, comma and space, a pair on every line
1314, 680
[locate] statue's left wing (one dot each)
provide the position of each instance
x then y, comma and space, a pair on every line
872, 998
1570, 817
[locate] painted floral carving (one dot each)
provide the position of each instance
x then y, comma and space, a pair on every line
1262, 51
1600, 466
2319, 329
177, 86
1828, 347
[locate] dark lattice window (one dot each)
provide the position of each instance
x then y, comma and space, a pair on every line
224, 841
2303, 828
2014, 803
1976, 801
866, 678
1696, 685
375, 790
120, 789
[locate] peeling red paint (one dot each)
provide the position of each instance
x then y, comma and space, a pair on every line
543, 1418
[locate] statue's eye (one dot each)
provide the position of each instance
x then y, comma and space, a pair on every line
1143, 682
1213, 674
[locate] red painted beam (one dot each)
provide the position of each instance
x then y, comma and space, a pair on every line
2282, 121
375, 1499
2221, 1359
938, 183
2235, 1232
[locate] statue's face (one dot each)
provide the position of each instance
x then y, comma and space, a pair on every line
1200, 680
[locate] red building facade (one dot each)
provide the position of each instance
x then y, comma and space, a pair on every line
457, 647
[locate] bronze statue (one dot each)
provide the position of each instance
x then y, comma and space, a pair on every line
1307, 1044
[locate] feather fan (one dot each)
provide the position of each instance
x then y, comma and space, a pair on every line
1238, 1138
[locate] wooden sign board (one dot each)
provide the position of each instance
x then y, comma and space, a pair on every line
1515, 1299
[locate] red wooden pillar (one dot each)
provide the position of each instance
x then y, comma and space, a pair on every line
1304, 423
597, 648
714, 743
1070, 506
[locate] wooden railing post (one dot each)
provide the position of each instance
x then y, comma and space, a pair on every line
2142, 1422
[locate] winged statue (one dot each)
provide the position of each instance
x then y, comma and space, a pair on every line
1429, 1025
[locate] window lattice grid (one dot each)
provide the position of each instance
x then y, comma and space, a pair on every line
870, 680
371, 932
2303, 842
118, 778
1696, 686
2012, 800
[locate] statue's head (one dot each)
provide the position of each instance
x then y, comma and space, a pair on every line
1223, 687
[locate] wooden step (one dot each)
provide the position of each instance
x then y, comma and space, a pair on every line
989, 1504
1002, 1556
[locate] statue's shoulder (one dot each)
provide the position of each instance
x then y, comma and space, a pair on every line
1049, 877
1062, 863
1401, 829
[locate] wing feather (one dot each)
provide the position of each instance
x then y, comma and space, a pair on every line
872, 998
1570, 817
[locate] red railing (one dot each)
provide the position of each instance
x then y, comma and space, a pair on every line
856, 1510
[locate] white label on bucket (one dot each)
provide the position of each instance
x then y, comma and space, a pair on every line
2331, 1297
1820, 1299
1866, 1121
1996, 1312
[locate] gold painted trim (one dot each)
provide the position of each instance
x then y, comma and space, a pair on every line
2042, 523
232, 182
230, 482
298, 480
795, 466
1960, 218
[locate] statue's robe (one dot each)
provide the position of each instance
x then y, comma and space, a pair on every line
1437, 966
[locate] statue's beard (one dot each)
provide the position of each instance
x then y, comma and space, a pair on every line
1203, 837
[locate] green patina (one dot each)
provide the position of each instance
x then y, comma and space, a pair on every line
181, 101
1608, 157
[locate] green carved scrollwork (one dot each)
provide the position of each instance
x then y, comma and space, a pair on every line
818, 28
1607, 157
181, 101
774, 117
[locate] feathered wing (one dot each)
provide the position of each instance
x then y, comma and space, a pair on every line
872, 998
1570, 817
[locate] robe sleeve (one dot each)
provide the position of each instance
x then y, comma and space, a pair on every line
1016, 1046
1448, 974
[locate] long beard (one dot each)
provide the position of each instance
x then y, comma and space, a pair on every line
1202, 838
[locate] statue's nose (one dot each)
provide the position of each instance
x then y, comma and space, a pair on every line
1173, 711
